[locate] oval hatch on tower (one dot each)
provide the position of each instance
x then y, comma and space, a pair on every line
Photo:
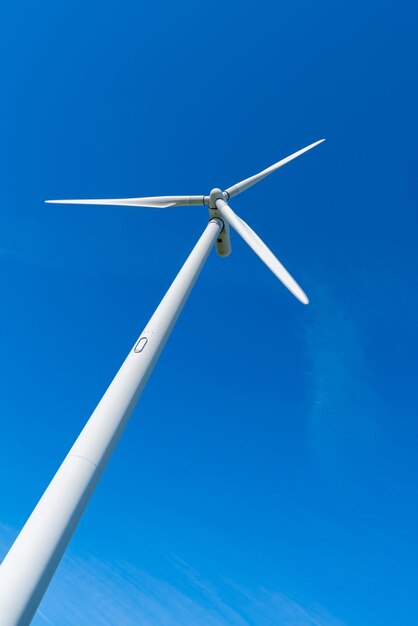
140, 344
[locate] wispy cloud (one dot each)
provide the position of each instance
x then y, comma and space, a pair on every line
8, 253
88, 590
345, 408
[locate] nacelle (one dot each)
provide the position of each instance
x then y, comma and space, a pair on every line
223, 241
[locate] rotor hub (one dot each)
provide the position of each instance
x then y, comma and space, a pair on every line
215, 194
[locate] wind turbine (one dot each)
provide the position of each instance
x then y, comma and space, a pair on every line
29, 566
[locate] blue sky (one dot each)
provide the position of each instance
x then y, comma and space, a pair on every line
269, 473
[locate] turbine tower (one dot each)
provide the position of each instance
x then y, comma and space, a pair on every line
30, 564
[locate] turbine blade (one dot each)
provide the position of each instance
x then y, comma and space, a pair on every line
252, 180
159, 202
261, 250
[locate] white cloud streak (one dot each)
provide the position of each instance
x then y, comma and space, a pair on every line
88, 590
345, 408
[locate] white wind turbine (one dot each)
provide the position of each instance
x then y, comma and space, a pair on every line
33, 558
